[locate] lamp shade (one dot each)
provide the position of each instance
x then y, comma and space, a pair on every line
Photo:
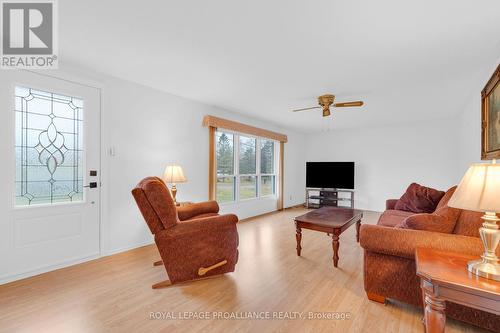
479, 190
174, 174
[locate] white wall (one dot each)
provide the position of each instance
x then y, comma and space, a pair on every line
149, 129
389, 158
469, 136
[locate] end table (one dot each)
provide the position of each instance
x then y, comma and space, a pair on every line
444, 277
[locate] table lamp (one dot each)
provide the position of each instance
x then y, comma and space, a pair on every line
173, 175
479, 191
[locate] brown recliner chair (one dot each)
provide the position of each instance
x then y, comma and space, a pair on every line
193, 241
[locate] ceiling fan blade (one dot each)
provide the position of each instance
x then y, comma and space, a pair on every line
305, 109
347, 104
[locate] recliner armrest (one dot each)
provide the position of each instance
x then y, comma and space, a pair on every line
192, 210
403, 242
201, 226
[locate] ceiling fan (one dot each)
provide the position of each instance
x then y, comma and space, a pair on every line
325, 101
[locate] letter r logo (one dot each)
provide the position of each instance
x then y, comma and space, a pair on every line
27, 28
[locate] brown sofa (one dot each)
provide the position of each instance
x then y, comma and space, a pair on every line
194, 241
389, 260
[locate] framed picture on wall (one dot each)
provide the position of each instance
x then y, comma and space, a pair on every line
490, 118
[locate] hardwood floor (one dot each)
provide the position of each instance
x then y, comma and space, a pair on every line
113, 294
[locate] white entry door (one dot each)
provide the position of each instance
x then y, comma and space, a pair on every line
50, 173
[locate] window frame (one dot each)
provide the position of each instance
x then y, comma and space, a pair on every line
236, 167
275, 174
233, 175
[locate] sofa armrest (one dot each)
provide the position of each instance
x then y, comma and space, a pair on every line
192, 210
390, 204
403, 242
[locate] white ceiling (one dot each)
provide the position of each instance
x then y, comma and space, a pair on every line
408, 60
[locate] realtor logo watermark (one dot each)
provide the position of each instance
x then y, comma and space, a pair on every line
29, 34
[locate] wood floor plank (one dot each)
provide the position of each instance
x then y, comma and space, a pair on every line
113, 294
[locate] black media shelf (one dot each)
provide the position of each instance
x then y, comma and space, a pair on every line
316, 198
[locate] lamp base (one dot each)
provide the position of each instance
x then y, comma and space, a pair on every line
489, 264
484, 269
174, 193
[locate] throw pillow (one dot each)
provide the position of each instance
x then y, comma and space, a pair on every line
419, 199
442, 220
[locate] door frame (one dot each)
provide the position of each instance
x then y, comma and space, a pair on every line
73, 78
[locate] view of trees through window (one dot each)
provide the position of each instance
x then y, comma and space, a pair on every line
226, 188
248, 167
245, 167
268, 179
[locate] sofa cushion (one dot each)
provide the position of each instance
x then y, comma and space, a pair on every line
419, 199
442, 220
468, 223
391, 218
446, 197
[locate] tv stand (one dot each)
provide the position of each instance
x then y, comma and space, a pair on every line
317, 198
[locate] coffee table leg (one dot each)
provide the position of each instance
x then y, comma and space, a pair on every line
298, 237
358, 225
335, 245
434, 313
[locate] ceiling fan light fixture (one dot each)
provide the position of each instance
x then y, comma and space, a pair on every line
326, 101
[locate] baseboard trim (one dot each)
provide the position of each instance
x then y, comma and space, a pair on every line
302, 205
45, 269
257, 216
271, 212
127, 248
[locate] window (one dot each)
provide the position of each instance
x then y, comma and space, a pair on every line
245, 167
248, 167
49, 147
226, 184
268, 177
230, 184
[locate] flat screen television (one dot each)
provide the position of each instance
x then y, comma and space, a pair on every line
330, 175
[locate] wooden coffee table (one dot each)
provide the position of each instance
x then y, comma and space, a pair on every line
331, 220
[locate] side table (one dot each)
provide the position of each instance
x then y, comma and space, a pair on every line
444, 277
